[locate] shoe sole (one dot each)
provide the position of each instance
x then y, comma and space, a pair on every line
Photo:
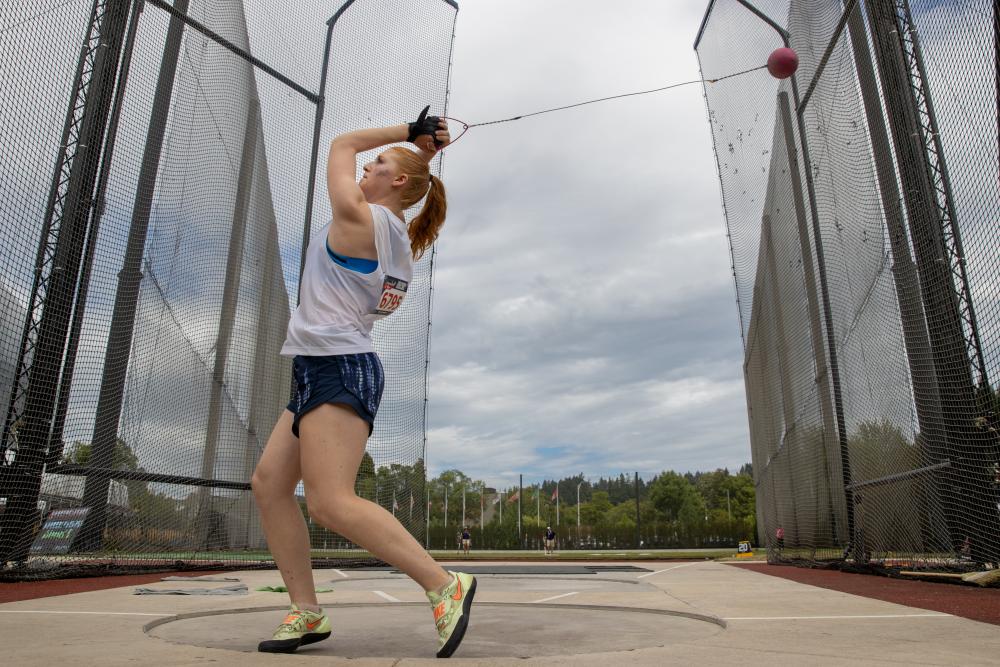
290, 645
459, 632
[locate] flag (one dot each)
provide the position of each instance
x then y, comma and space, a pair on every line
395, 505
512, 497
555, 494
497, 499
411, 501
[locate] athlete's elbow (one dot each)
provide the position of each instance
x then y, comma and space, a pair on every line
347, 142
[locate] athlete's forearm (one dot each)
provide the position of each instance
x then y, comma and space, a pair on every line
425, 154
364, 140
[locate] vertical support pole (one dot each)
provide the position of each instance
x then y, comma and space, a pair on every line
927, 399
227, 316
638, 520
828, 403
966, 485
831, 342
317, 128
61, 250
520, 495
789, 432
259, 379
109, 402
96, 213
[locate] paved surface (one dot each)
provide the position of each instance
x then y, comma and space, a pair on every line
702, 613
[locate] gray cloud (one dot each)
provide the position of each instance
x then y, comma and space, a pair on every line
584, 316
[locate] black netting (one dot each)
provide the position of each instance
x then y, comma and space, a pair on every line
156, 196
861, 201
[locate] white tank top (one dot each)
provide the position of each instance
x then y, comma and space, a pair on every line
338, 306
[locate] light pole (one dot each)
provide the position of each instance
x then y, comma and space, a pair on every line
578, 514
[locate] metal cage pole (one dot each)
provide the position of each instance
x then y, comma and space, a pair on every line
48, 327
838, 402
955, 349
112, 389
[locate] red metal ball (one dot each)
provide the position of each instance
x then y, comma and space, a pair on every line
782, 63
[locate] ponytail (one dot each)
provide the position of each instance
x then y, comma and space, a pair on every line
427, 225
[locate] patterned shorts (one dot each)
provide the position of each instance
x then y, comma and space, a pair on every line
355, 380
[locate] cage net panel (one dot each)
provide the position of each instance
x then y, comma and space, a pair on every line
873, 423
147, 284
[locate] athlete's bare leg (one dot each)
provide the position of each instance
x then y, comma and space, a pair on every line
273, 484
332, 442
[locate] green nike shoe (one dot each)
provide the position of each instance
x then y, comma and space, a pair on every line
299, 628
451, 611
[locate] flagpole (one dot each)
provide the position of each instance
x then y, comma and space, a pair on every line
501, 507
520, 492
557, 504
538, 503
463, 506
427, 524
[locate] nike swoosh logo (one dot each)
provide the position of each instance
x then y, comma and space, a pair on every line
458, 591
312, 626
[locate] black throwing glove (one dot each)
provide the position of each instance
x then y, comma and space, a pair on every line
425, 125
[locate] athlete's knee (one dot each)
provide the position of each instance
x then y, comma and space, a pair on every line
266, 485
329, 509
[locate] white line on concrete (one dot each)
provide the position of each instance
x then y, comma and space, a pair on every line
97, 613
556, 597
385, 596
650, 574
833, 618
341, 574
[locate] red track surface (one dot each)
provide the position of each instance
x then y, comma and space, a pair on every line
30, 590
978, 604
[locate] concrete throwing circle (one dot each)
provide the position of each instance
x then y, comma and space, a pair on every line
406, 630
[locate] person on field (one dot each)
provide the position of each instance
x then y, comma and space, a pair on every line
550, 541
357, 271
466, 540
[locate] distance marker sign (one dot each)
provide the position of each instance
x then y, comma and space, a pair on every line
56, 536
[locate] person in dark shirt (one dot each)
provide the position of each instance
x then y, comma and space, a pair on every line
466, 540
550, 540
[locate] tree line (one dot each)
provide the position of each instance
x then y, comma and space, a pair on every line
674, 510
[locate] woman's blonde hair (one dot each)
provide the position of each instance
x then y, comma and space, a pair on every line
425, 227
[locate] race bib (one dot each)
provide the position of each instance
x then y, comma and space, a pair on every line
393, 291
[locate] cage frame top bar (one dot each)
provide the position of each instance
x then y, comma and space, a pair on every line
222, 41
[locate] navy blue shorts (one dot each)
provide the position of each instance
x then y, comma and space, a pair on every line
355, 380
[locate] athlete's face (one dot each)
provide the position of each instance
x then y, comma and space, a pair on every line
381, 177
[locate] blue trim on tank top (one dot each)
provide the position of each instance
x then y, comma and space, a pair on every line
355, 264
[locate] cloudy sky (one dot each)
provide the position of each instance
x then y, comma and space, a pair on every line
584, 314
